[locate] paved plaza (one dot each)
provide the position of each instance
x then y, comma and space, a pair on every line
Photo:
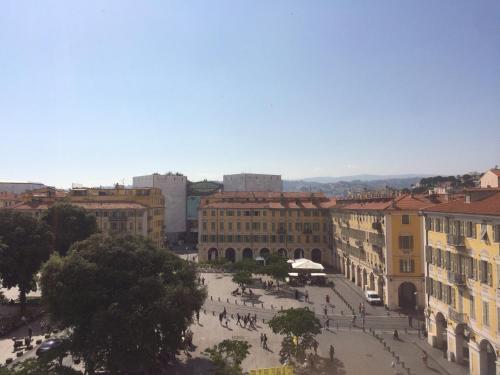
357, 350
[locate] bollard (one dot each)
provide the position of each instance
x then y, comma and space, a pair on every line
403, 364
211, 298
262, 305
228, 300
408, 371
263, 320
235, 302
232, 316
213, 313
272, 307
219, 298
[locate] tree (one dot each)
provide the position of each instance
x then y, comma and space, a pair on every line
241, 278
227, 356
35, 366
277, 268
69, 224
27, 244
299, 327
125, 301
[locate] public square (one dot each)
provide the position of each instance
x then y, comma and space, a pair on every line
357, 350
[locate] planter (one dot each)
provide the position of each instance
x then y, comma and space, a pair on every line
19, 354
8, 361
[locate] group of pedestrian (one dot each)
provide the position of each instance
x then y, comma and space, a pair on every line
263, 341
268, 285
201, 280
247, 319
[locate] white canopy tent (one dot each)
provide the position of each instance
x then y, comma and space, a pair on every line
306, 264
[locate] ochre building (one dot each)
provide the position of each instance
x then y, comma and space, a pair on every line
379, 246
463, 286
238, 225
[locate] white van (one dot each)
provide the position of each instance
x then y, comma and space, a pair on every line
373, 298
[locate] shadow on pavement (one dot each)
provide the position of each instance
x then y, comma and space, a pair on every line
190, 366
323, 366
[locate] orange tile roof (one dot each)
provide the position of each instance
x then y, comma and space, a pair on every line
5, 196
495, 171
406, 202
488, 205
267, 195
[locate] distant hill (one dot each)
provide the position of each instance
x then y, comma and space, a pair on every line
345, 185
363, 177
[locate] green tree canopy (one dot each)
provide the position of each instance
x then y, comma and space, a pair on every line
69, 224
300, 325
33, 366
126, 301
276, 267
27, 244
227, 356
242, 278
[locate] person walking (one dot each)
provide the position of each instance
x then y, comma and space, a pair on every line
424, 357
202, 281
332, 353
239, 319
327, 299
315, 347
221, 316
360, 307
198, 316
30, 332
307, 296
296, 294
224, 312
325, 311
265, 342
245, 321
261, 339
327, 323
410, 321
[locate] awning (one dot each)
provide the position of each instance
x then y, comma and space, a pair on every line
293, 274
318, 274
306, 264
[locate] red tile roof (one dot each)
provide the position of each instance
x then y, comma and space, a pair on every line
406, 202
495, 171
488, 205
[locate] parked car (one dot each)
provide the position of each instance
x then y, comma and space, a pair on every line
373, 298
48, 346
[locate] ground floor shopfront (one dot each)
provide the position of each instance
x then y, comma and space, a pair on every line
210, 252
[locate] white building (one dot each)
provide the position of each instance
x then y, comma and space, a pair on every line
253, 182
173, 187
491, 179
19, 187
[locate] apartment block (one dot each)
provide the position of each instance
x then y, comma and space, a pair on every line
462, 241
239, 225
379, 246
252, 182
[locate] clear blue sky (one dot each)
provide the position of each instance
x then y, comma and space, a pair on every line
99, 91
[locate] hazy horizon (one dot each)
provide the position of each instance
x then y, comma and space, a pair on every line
97, 92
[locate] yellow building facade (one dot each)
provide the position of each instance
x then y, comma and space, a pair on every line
379, 246
239, 225
463, 286
150, 198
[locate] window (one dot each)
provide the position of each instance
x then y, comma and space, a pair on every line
472, 308
496, 233
238, 226
212, 213
406, 242
316, 227
247, 226
485, 273
316, 239
486, 313
230, 213
437, 223
470, 229
230, 226
212, 226
221, 212
264, 226
204, 225
406, 265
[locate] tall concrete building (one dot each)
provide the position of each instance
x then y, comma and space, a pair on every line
253, 182
19, 187
173, 187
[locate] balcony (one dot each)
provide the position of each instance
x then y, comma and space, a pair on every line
456, 278
457, 316
376, 239
457, 241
